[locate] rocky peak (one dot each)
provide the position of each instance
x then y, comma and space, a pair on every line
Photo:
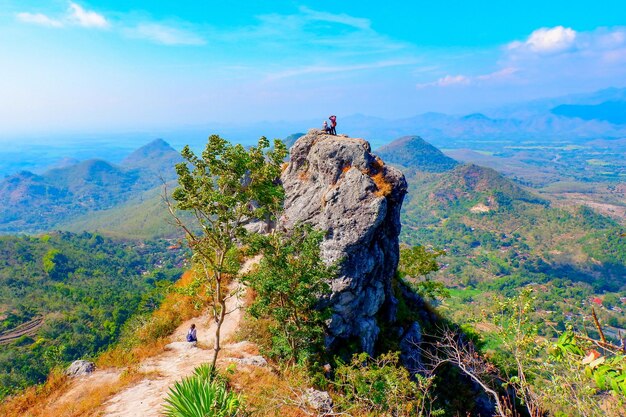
336, 184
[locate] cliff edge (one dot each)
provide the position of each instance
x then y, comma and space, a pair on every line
336, 184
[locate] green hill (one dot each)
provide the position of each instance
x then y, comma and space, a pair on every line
143, 217
36, 203
415, 152
500, 237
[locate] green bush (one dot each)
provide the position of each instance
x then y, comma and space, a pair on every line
381, 387
203, 394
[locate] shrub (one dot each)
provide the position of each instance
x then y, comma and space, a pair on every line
380, 387
204, 394
289, 281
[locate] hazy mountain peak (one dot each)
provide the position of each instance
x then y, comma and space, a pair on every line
476, 116
158, 148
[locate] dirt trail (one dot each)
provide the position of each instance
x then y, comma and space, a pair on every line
145, 398
180, 358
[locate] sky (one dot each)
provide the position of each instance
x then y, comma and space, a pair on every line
98, 66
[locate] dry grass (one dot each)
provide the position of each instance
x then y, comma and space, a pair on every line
346, 168
384, 187
48, 399
283, 166
148, 341
376, 172
90, 401
304, 175
150, 338
33, 397
268, 393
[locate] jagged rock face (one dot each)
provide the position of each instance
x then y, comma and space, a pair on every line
337, 185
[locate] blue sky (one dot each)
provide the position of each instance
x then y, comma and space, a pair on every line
72, 66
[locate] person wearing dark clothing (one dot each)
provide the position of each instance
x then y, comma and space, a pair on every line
191, 334
326, 128
333, 124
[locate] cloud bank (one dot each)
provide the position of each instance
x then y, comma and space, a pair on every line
551, 57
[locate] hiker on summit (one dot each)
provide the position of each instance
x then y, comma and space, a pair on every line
333, 124
326, 128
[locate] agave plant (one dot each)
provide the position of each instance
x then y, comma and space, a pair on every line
203, 394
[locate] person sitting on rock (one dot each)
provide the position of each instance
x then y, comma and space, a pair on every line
333, 124
326, 128
191, 334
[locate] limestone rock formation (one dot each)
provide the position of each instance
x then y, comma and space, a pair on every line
320, 401
80, 368
336, 184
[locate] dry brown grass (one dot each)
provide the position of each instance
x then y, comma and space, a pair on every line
154, 334
304, 175
384, 188
33, 397
149, 341
283, 166
346, 168
268, 393
54, 399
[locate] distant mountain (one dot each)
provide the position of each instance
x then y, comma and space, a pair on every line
415, 152
609, 111
532, 120
500, 234
144, 216
455, 131
472, 184
544, 106
291, 139
465, 189
40, 202
157, 156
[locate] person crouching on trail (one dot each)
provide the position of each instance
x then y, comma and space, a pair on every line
191, 334
326, 128
333, 124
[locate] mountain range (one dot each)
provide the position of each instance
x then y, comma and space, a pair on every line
538, 120
38, 202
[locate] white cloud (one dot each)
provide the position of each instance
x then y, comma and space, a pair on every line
547, 40
39, 19
452, 80
165, 35
502, 74
447, 81
86, 18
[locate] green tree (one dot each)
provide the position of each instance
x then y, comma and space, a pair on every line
416, 262
225, 188
610, 300
55, 264
289, 282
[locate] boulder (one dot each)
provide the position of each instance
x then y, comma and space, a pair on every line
320, 401
337, 185
80, 368
251, 361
